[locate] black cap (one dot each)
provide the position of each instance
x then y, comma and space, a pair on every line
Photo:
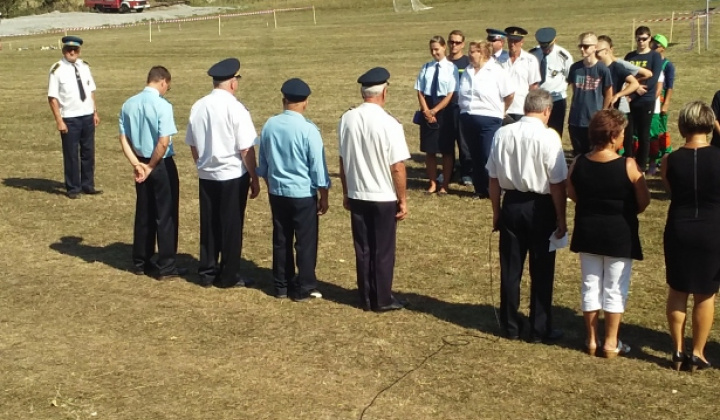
545, 35
515, 33
495, 34
224, 70
374, 76
71, 41
295, 90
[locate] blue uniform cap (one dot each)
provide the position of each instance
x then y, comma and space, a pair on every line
71, 41
495, 34
545, 35
515, 33
295, 90
224, 70
374, 76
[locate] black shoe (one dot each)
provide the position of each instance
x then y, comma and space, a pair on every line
550, 337
175, 272
92, 191
242, 282
697, 363
73, 195
680, 361
301, 297
393, 306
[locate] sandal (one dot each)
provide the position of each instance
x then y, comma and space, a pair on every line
621, 350
592, 351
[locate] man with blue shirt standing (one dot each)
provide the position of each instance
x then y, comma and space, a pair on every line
146, 127
292, 162
221, 136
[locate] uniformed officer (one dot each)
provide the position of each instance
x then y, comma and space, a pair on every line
221, 136
555, 62
496, 38
71, 95
292, 162
523, 69
372, 170
147, 125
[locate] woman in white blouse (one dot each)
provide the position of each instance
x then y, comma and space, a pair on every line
484, 95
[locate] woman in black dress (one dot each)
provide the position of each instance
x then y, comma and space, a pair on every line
692, 233
609, 191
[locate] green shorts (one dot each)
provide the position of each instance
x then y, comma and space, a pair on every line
658, 125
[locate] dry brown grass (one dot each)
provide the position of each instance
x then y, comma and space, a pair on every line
81, 335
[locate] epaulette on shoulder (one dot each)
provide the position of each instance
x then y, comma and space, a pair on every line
165, 99
86, 63
55, 67
563, 55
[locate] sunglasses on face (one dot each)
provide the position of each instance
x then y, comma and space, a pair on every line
642, 38
455, 42
72, 49
585, 46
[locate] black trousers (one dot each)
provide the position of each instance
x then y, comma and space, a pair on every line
527, 220
374, 231
641, 115
557, 116
294, 218
222, 214
156, 217
80, 137
629, 140
464, 158
580, 139
479, 132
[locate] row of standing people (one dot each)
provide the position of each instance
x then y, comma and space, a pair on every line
465, 99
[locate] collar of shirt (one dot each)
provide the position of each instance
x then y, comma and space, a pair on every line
65, 61
151, 90
533, 120
222, 92
293, 113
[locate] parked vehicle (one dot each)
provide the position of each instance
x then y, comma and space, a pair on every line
122, 6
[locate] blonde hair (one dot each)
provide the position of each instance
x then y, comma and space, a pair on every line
587, 35
696, 118
483, 46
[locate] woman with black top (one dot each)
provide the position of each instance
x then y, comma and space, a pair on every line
609, 192
692, 233
436, 84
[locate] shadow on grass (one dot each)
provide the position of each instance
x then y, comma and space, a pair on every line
657, 189
36, 184
118, 255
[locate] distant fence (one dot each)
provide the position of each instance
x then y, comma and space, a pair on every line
218, 17
695, 16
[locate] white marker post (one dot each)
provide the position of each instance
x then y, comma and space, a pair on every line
314, 20
150, 30
275, 18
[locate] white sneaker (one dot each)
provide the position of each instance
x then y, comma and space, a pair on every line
315, 293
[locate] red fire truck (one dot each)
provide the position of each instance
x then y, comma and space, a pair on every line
122, 6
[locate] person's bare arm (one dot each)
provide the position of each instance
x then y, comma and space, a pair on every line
194, 153
138, 167
666, 102
248, 158
607, 97
559, 197
96, 117
55, 108
642, 193
343, 181
399, 178
570, 187
508, 100
631, 85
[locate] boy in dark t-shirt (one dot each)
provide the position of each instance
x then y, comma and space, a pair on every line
591, 83
642, 103
456, 42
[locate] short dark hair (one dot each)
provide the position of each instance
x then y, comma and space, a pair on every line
157, 74
696, 118
606, 125
457, 32
607, 39
642, 30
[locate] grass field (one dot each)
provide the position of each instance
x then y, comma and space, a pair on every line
81, 337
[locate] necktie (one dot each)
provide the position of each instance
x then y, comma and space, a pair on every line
543, 68
434, 85
80, 84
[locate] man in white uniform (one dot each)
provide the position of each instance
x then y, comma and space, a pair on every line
372, 170
527, 162
555, 62
523, 68
221, 136
71, 95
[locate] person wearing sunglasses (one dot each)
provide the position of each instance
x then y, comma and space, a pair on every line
592, 91
496, 38
642, 102
71, 95
523, 68
555, 62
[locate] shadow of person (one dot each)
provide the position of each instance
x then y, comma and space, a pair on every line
657, 189
36, 184
117, 255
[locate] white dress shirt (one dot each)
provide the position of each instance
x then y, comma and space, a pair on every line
219, 128
524, 72
447, 78
483, 92
527, 156
558, 63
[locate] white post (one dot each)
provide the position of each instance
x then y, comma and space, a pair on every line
632, 35
707, 24
672, 24
158, 23
314, 19
698, 32
219, 31
275, 18
150, 30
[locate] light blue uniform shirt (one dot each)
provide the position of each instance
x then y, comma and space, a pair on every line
145, 118
292, 156
447, 78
